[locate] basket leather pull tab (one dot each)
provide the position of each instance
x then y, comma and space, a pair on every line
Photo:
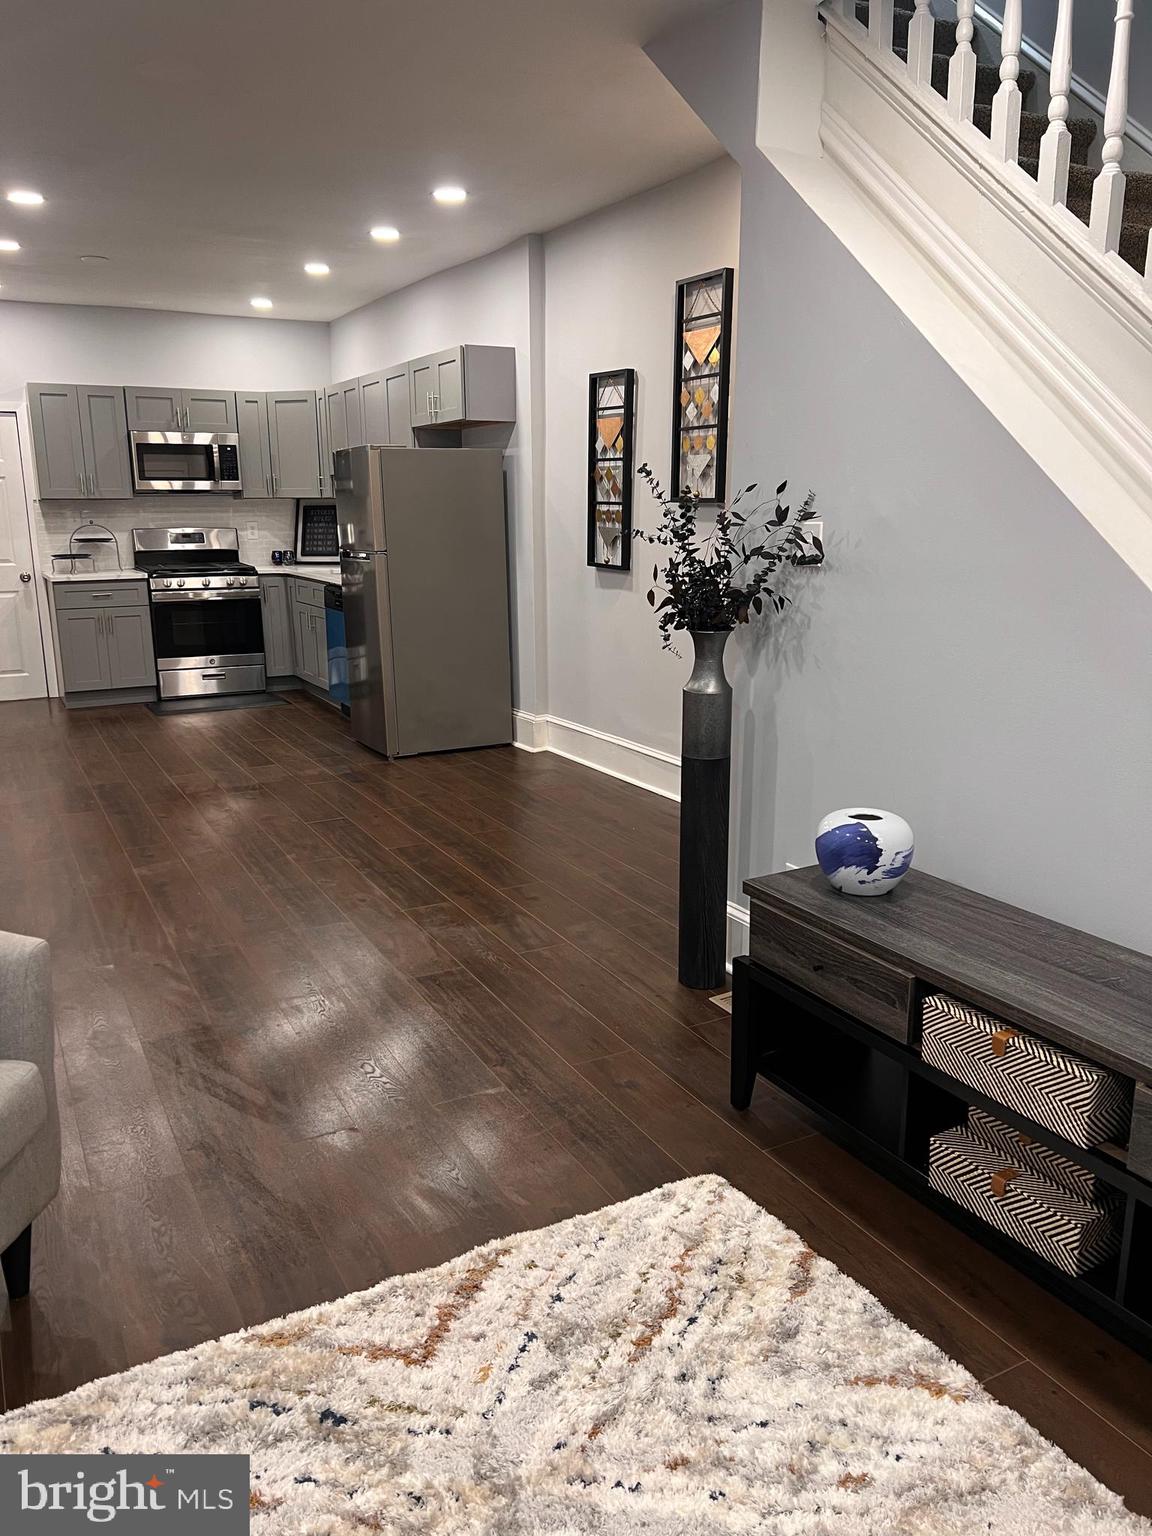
1000, 1040
1001, 1180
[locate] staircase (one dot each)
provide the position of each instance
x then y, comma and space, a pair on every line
1132, 243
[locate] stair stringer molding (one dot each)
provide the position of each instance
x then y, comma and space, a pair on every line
1054, 339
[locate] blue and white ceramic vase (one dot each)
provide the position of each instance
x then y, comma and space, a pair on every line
864, 852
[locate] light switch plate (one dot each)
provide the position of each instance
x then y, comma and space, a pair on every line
814, 528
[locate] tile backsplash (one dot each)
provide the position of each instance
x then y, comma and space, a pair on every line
274, 523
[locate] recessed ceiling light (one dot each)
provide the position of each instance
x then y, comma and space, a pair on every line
259, 302
28, 199
387, 233
317, 268
449, 194
9, 245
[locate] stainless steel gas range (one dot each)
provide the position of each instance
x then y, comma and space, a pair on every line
206, 618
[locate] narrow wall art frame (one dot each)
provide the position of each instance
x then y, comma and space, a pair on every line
611, 465
700, 385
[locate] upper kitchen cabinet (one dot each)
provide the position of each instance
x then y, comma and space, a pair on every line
180, 410
294, 442
345, 419
255, 454
80, 441
385, 408
325, 444
463, 386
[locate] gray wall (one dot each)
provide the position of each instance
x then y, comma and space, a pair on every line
973, 654
108, 344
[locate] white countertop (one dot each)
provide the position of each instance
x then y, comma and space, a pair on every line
305, 572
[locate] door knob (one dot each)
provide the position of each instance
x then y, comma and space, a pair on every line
25, 576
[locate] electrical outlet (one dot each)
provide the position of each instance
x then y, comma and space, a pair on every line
252, 530
813, 529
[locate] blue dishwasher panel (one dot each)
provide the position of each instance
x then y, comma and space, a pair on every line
337, 644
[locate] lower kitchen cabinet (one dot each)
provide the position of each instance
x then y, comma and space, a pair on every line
105, 648
309, 632
279, 652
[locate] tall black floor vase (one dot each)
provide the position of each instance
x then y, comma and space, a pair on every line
705, 773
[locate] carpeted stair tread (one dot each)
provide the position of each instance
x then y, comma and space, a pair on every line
1133, 247
945, 31
1081, 178
987, 77
1032, 127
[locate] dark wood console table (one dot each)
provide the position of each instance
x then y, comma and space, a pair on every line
827, 1006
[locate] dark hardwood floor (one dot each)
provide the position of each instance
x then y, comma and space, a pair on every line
324, 1018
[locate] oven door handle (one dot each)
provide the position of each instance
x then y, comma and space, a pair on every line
249, 594
213, 676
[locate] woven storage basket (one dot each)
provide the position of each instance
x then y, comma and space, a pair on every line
1082, 1102
1073, 1234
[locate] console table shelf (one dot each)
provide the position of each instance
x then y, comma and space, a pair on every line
827, 1008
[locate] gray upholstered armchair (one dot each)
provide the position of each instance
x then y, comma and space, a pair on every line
29, 1123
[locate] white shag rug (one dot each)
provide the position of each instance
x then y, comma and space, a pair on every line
679, 1363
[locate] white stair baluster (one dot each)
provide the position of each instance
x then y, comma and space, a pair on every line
1108, 188
1056, 145
1007, 100
880, 17
962, 66
921, 43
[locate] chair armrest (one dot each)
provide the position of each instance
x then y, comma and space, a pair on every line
26, 1002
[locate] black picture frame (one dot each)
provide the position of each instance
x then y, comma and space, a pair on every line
726, 277
626, 460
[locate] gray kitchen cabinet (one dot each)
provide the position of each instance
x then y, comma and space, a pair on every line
180, 410
131, 659
309, 632
80, 441
103, 647
294, 443
209, 410
324, 444
345, 418
385, 407
462, 385
279, 656
83, 650
252, 428
56, 440
154, 410
104, 435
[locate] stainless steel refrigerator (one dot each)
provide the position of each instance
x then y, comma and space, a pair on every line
424, 567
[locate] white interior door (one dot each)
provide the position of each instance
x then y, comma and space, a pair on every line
22, 674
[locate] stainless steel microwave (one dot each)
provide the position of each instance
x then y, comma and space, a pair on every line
186, 461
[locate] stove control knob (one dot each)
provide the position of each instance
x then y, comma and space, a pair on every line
231, 581
179, 581
206, 581
167, 581
243, 581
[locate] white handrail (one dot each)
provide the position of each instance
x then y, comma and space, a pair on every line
962, 65
921, 43
1108, 189
1056, 145
1007, 100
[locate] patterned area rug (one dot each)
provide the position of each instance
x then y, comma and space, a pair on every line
678, 1363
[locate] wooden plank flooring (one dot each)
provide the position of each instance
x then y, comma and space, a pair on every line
323, 1018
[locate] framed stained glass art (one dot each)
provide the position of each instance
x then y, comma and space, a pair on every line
611, 452
700, 403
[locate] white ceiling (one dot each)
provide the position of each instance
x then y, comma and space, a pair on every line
209, 148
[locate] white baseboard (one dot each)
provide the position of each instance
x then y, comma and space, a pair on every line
647, 767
